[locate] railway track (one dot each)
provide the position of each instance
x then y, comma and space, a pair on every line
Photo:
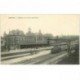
52, 58
45, 59
20, 58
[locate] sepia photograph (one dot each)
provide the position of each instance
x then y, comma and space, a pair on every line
39, 39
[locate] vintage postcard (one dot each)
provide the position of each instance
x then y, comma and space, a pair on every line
39, 39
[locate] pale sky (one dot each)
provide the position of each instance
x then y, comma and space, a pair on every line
54, 24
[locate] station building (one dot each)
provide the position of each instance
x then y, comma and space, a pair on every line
16, 39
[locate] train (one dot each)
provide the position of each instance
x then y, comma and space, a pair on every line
59, 48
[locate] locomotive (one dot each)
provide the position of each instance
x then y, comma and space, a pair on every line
58, 48
65, 47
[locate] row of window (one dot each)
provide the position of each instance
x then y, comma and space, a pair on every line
23, 39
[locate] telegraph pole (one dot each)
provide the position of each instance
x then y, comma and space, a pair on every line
69, 47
